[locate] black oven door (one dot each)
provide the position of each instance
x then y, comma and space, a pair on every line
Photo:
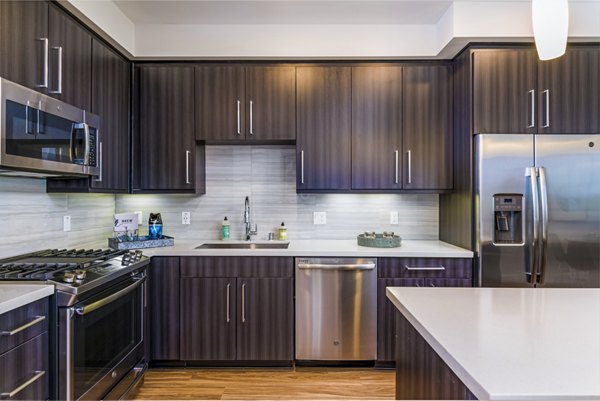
103, 340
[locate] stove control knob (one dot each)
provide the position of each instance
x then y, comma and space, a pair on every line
80, 274
69, 277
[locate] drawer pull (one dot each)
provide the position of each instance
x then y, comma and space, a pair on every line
424, 267
25, 326
38, 374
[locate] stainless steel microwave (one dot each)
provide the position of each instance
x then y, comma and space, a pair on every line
42, 136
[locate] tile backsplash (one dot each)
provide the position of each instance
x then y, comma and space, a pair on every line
268, 175
32, 220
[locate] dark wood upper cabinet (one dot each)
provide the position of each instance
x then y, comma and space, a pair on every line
23, 40
163, 308
569, 92
165, 154
427, 130
70, 60
323, 143
504, 91
245, 103
377, 127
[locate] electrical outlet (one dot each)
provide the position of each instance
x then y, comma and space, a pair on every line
394, 217
140, 216
66, 223
186, 217
320, 218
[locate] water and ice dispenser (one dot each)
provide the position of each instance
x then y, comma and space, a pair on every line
508, 218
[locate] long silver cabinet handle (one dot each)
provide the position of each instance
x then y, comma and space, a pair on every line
27, 325
302, 167
239, 118
59, 73
408, 155
544, 223
244, 303
187, 166
532, 115
101, 164
547, 99
228, 307
44, 83
396, 167
424, 268
251, 128
357, 266
36, 377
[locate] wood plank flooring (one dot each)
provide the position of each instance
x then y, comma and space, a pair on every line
300, 383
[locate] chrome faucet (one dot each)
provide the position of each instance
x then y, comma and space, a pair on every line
249, 231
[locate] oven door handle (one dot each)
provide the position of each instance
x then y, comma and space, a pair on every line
85, 309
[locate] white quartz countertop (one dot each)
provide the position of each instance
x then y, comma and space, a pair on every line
13, 296
305, 248
509, 343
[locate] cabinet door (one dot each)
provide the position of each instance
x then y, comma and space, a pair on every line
166, 148
110, 101
270, 103
386, 315
265, 319
569, 88
23, 28
208, 319
448, 282
220, 109
70, 60
427, 132
323, 145
504, 91
163, 308
376, 127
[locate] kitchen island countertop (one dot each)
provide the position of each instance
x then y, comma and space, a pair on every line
511, 343
15, 295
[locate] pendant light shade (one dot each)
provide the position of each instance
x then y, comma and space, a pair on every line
550, 27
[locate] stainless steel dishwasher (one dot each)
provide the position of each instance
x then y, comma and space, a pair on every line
336, 309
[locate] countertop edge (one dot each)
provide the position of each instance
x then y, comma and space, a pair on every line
44, 290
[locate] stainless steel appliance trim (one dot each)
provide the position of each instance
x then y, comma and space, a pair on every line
337, 266
85, 309
424, 268
302, 166
532, 115
44, 84
396, 167
100, 163
408, 154
532, 174
544, 224
187, 166
12, 332
58, 90
227, 295
251, 129
86, 155
239, 118
547, 100
36, 377
244, 303
27, 130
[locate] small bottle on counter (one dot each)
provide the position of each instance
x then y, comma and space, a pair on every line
225, 229
283, 232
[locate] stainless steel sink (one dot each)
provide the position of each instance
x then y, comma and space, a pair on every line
239, 245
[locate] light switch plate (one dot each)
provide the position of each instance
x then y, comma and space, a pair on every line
394, 217
139, 215
186, 217
66, 223
319, 217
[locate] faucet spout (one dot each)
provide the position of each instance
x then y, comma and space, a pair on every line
249, 231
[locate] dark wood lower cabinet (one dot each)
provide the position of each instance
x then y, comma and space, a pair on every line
420, 372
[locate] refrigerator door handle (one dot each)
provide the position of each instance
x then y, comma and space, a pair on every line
531, 174
544, 224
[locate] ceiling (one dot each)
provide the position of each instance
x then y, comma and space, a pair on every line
284, 11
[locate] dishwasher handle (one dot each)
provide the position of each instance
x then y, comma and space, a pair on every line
340, 266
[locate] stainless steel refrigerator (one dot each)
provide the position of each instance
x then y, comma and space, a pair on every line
537, 210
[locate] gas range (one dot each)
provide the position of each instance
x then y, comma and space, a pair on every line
72, 271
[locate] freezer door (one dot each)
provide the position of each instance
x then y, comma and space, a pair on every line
570, 165
501, 163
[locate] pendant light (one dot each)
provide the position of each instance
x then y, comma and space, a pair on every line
550, 27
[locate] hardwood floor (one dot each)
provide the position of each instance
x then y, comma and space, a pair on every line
301, 383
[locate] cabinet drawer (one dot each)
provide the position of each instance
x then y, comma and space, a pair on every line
22, 324
25, 370
425, 267
237, 266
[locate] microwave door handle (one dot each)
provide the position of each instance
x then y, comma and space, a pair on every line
72, 142
86, 156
